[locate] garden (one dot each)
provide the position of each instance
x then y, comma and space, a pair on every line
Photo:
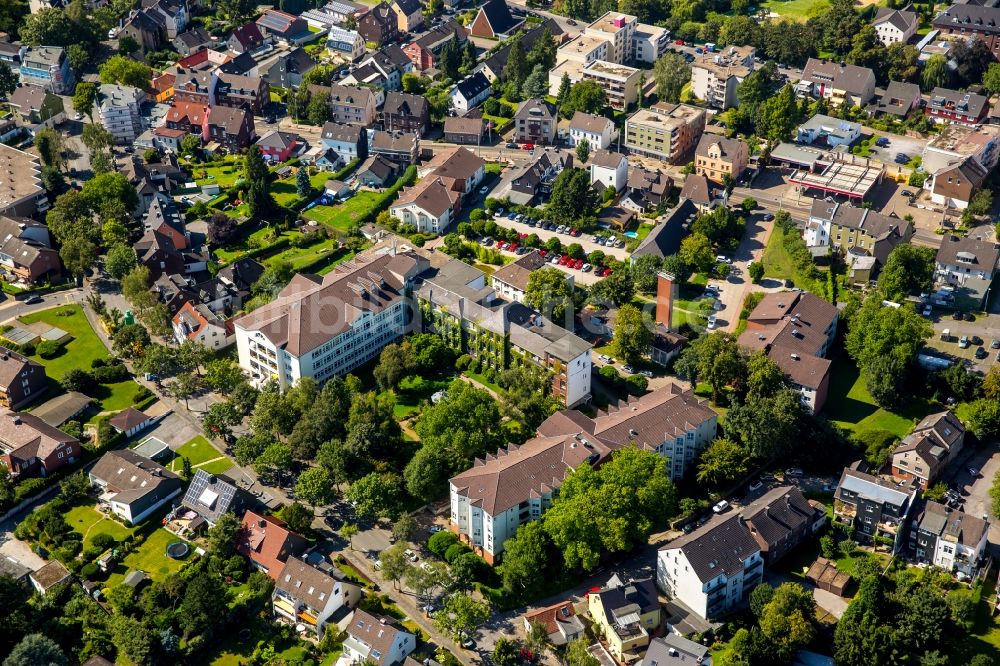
201, 454
344, 216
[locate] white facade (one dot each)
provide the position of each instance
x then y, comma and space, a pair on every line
584, 50
346, 42
598, 140
425, 221
358, 650
676, 576
619, 29
615, 177
360, 343
649, 42
288, 606
888, 31
462, 104
118, 110
490, 532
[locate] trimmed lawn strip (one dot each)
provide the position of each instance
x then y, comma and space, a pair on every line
88, 522
198, 450
798, 10
79, 352
778, 264
216, 466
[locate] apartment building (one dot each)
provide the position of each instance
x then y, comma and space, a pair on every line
585, 49
895, 26
47, 67
665, 131
841, 84
876, 508
649, 42
956, 106
349, 105
118, 110
967, 21
304, 595
620, 82
619, 30
597, 130
403, 112
377, 640
968, 263
928, 448
321, 327
626, 613
511, 281
22, 380
715, 76
796, 330
949, 539
850, 229
716, 157
21, 191
781, 519
535, 122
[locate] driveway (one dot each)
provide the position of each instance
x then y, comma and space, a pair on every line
976, 491
583, 239
734, 289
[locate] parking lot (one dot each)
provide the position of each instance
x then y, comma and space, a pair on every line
583, 239
985, 327
976, 490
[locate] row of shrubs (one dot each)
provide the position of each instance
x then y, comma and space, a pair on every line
633, 384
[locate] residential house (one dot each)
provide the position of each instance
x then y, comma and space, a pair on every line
26, 254
895, 26
193, 40
828, 132
200, 324
231, 128
21, 184
241, 275
277, 146
876, 508
333, 13
717, 157
715, 76
713, 569
13, 569
841, 84
131, 486
22, 380
147, 28
286, 71
957, 142
898, 100
36, 108
460, 168
377, 172
430, 206
245, 39
337, 189
967, 21
619, 29
649, 43
409, 15
470, 92
597, 130
403, 148
423, 52
665, 131
954, 185
511, 281
313, 598
376, 639
379, 25
47, 67
238, 91
49, 576
30, 447
283, 27
403, 112
647, 190
464, 130
130, 422
535, 122
119, 112
796, 329
267, 542
493, 64
949, 539
608, 169
928, 448
350, 105
189, 117
674, 650
562, 624
956, 106
209, 496
494, 21
273, 344
535, 178
703, 193
969, 264
850, 229
173, 14
349, 142
625, 613
781, 519
347, 42
12, 53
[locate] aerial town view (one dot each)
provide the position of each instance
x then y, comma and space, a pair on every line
499, 333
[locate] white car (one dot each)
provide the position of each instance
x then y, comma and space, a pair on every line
604, 358
484, 189
712, 323
720, 507
629, 369
793, 471
78, 116
410, 555
436, 528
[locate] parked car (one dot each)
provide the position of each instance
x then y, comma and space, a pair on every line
793, 471
629, 369
976, 340
963, 342
605, 358
586, 268
31, 300
410, 555
720, 506
484, 189
756, 485
995, 344
768, 217
648, 374
712, 322
973, 472
981, 352
436, 528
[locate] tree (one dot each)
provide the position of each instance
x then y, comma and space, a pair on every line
461, 615
348, 531
393, 364
128, 45
405, 527
578, 654
537, 83
760, 597
983, 418
572, 197
671, 72
221, 537
549, 292
220, 419
583, 150
936, 74
991, 78
696, 251
78, 254
297, 517
875, 332
36, 650
633, 334
563, 94
319, 110
756, 271
527, 561
315, 486
302, 185
120, 261
506, 653
191, 145
377, 495
720, 362
516, 69
615, 290
908, 270
110, 195
49, 144
8, 80
586, 96
204, 604
884, 379
258, 184
426, 474
787, 620
769, 426
723, 461
221, 228
394, 563
778, 115
125, 71
237, 11
971, 58
276, 460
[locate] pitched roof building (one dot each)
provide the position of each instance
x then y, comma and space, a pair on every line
30, 447
305, 595
22, 380
494, 21
562, 624
268, 542
133, 487
377, 639
841, 84
928, 448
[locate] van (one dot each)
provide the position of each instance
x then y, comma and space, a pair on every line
946, 335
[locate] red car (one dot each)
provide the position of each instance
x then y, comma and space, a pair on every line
522, 235
542, 253
606, 273
528, 146
679, 42
574, 232
513, 246
500, 243
564, 260
578, 264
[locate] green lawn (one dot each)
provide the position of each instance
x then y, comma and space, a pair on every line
343, 215
89, 522
200, 452
850, 406
150, 557
985, 635
341, 258
800, 10
301, 256
778, 264
231, 651
224, 176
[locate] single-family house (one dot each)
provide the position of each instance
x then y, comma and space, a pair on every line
377, 172
470, 92
200, 324
898, 100
208, 496
283, 27
598, 131
245, 39
231, 128
193, 40
303, 594
933, 443
30, 447
464, 130
36, 108
409, 14
626, 613
130, 422
717, 157
494, 21
277, 146
376, 639
968, 263
608, 169
562, 624
286, 71
131, 486
22, 380
267, 542
430, 206
535, 122
895, 26
49, 576
403, 148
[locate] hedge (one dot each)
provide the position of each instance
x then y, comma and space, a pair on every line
409, 177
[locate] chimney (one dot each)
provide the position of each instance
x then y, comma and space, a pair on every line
666, 294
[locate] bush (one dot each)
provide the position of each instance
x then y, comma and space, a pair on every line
103, 541
456, 550
110, 374
610, 375
637, 384
440, 542
141, 394
27, 488
48, 348
462, 362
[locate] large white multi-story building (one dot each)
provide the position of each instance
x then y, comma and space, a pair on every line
321, 327
715, 76
619, 30
649, 42
118, 108
496, 496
